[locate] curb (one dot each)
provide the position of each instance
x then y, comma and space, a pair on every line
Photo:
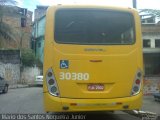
17, 86
23, 86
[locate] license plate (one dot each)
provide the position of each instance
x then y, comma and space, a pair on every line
95, 87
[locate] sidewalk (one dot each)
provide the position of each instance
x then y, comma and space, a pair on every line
149, 104
18, 86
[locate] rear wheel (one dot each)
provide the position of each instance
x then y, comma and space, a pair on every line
5, 89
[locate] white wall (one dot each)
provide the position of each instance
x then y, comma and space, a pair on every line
11, 72
28, 75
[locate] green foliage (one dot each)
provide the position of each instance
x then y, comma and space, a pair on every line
39, 63
27, 57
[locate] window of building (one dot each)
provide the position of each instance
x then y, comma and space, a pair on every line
146, 43
152, 64
157, 43
39, 45
23, 22
147, 19
151, 20
22, 11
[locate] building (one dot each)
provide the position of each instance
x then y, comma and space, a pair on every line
151, 54
151, 48
39, 12
38, 31
19, 21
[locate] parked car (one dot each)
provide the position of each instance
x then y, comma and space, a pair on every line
3, 85
39, 80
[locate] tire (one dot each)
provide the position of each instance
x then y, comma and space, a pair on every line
5, 89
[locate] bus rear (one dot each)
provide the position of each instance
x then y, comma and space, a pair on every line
92, 59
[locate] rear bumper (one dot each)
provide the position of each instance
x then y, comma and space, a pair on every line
55, 104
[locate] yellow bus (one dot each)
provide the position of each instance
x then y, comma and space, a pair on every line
92, 59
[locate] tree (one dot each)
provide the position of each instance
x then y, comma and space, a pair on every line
27, 57
7, 2
151, 12
5, 30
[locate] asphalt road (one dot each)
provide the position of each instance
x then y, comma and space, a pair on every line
22, 100
29, 101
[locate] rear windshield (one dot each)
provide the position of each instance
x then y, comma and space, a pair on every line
91, 26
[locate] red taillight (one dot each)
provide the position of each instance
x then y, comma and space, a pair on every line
138, 81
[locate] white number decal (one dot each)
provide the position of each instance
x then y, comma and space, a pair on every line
86, 76
61, 76
68, 76
79, 76
73, 76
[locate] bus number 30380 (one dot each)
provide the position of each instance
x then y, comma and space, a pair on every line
73, 76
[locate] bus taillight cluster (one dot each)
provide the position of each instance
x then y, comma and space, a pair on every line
51, 83
137, 83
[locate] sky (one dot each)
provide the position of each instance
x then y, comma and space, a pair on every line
141, 4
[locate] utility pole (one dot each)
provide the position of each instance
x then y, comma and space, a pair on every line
134, 2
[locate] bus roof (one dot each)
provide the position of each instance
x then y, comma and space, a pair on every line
93, 6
